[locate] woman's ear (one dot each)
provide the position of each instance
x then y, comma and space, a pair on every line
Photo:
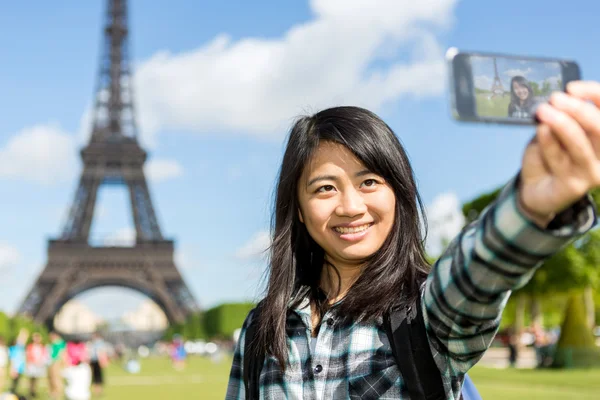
300, 215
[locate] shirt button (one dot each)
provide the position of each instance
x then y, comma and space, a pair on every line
318, 368
330, 321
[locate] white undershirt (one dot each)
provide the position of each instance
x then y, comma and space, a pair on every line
313, 344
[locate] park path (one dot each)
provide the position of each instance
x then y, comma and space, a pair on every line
498, 358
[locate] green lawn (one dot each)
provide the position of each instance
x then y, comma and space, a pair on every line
495, 384
496, 107
201, 379
204, 380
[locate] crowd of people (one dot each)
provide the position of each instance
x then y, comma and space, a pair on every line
73, 369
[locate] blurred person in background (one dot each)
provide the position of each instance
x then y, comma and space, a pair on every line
79, 380
178, 353
97, 349
513, 346
57, 354
36, 355
3, 361
16, 356
76, 352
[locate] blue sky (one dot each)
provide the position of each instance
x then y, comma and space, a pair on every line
218, 85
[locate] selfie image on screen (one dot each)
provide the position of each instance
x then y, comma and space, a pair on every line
512, 88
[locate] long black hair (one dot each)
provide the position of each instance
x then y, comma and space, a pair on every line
390, 278
521, 81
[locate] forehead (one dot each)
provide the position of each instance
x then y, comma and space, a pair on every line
331, 155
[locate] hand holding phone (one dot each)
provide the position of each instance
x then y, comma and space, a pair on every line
502, 88
563, 163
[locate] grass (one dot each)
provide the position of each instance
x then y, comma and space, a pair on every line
205, 380
509, 384
201, 379
496, 107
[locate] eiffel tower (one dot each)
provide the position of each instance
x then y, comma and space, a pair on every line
113, 155
497, 87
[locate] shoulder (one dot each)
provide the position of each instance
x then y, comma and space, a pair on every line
250, 321
252, 316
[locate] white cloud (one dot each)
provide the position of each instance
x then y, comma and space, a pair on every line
255, 248
9, 257
42, 153
483, 82
445, 220
183, 260
124, 237
516, 72
256, 86
161, 170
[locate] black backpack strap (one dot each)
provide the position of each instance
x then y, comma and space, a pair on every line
408, 340
254, 357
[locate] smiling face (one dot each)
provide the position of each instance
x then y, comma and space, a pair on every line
520, 91
348, 210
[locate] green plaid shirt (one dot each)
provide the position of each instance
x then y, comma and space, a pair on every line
462, 300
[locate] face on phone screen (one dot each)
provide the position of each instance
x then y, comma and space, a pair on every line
512, 88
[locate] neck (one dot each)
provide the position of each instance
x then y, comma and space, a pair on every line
337, 288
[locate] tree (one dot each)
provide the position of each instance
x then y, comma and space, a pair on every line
473, 208
546, 88
4, 326
172, 330
194, 327
576, 346
536, 88
223, 320
575, 266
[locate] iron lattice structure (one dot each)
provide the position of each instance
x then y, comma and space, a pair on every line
113, 155
497, 87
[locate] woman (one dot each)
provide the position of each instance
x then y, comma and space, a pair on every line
17, 358
76, 353
57, 355
347, 250
522, 101
37, 360
3, 361
98, 361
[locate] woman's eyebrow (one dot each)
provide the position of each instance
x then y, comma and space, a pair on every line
335, 178
322, 178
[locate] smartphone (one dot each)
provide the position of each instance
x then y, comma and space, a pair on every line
503, 88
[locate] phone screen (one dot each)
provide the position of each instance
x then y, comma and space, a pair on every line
512, 88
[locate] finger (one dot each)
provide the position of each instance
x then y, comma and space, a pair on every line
554, 155
569, 133
588, 90
586, 114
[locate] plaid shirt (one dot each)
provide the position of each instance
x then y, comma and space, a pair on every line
462, 300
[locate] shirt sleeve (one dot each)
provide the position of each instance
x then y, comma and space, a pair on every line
235, 387
467, 290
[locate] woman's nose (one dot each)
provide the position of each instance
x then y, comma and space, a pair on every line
351, 204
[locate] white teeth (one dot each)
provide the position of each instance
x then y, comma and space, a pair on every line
355, 229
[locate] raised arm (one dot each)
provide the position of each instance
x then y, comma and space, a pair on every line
536, 214
470, 284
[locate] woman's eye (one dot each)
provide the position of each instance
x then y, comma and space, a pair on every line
370, 182
326, 188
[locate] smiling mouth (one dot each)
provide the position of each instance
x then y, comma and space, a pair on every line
354, 229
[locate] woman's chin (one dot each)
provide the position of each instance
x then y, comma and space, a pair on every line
355, 257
